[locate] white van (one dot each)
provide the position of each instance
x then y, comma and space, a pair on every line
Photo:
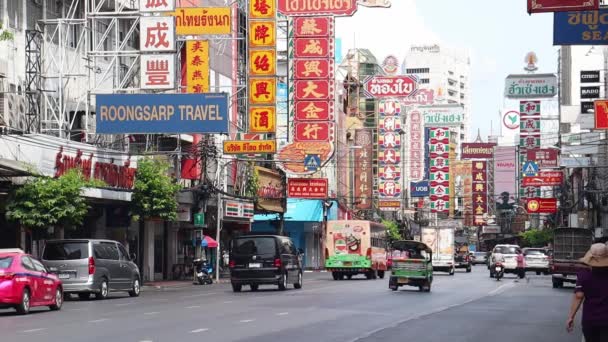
509, 252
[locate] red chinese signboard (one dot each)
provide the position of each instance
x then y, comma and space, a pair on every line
313, 69
540, 6
601, 114
541, 205
313, 27
313, 111
544, 157
390, 86
307, 188
312, 8
312, 47
312, 90
313, 131
363, 171
544, 178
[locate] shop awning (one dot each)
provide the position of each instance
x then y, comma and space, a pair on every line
302, 210
13, 168
208, 242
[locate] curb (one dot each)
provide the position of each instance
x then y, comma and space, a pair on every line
179, 286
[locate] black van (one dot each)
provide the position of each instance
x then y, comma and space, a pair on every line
264, 259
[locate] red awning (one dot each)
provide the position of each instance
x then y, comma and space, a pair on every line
209, 242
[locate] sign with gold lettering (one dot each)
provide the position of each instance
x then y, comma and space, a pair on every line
262, 119
162, 113
262, 34
313, 111
197, 66
262, 90
580, 28
312, 90
313, 131
262, 9
262, 62
313, 27
313, 8
312, 47
250, 147
540, 6
194, 21
313, 69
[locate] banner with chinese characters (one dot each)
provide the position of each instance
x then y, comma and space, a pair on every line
480, 191
461, 175
529, 139
389, 155
262, 44
415, 146
157, 44
197, 66
362, 167
439, 178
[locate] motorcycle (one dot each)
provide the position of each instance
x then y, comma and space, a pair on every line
203, 271
499, 270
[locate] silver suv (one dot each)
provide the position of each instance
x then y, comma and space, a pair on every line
88, 266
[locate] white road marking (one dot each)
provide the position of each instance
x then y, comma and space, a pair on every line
99, 320
124, 304
198, 330
33, 330
151, 313
146, 341
193, 307
247, 320
283, 314
81, 309
228, 302
500, 288
199, 295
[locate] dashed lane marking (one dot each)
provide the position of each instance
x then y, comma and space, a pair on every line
33, 330
195, 331
99, 320
151, 313
247, 320
283, 314
193, 307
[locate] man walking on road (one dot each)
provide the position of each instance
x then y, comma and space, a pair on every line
591, 288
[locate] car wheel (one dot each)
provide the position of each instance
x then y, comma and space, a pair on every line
537, 272
381, 274
283, 282
349, 276
334, 275
236, 287
103, 290
254, 287
469, 269
426, 287
452, 271
135, 289
24, 307
58, 300
298, 285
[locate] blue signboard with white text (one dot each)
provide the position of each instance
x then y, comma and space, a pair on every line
162, 113
581, 28
419, 189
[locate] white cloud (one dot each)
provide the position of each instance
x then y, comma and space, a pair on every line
385, 31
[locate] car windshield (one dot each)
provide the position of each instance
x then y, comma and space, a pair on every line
534, 252
254, 245
480, 254
66, 251
5, 262
506, 250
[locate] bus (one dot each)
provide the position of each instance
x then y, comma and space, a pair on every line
356, 247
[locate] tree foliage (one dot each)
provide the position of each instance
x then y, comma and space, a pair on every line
393, 230
154, 193
5, 34
536, 237
44, 202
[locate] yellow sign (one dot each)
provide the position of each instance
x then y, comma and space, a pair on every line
262, 9
262, 119
250, 147
197, 66
262, 62
195, 21
262, 34
262, 91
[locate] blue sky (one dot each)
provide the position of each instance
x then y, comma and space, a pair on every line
497, 33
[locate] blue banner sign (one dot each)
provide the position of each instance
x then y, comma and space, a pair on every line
162, 113
580, 28
419, 189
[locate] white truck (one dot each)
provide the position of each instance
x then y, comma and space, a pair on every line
441, 241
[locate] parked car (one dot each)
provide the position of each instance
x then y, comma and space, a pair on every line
257, 259
26, 283
536, 260
92, 266
479, 258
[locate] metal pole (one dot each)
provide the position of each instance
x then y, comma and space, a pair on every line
218, 221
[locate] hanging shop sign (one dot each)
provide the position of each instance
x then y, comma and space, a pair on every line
422, 97
419, 189
387, 205
196, 21
452, 115
262, 119
363, 172
586, 107
313, 47
592, 92
262, 90
389, 86
313, 8
313, 68
416, 147
162, 113
236, 209
540, 6
531, 86
157, 71
544, 178
262, 9
250, 147
544, 157
313, 131
313, 27
262, 33
477, 150
197, 66
581, 28
541, 205
573, 162
313, 90
510, 120
310, 188
590, 76
271, 190
601, 114
439, 170
157, 34
313, 111
262, 62
148, 6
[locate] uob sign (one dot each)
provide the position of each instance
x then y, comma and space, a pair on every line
419, 189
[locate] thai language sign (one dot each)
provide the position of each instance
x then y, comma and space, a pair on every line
477, 150
451, 115
390, 86
194, 21
541, 205
162, 113
580, 28
310, 8
307, 188
531, 86
539, 6
249, 147
544, 178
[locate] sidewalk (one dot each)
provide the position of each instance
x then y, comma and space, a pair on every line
176, 284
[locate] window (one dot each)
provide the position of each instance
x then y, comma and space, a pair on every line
38, 266
124, 255
111, 250
425, 81
27, 263
15, 14
5, 262
418, 71
255, 245
66, 251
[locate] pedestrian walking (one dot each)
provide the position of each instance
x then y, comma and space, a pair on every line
591, 291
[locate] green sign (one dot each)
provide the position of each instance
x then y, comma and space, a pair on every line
199, 219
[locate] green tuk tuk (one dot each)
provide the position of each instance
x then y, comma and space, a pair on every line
412, 265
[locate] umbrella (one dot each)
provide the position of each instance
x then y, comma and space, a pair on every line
208, 242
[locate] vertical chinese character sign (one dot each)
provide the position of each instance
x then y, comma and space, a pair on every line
480, 191
389, 153
415, 147
197, 66
363, 182
529, 138
262, 82
439, 149
157, 43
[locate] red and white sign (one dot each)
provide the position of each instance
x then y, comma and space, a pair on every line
312, 47
312, 90
390, 86
313, 131
389, 172
147, 6
416, 149
313, 27
389, 189
157, 34
537, 205
313, 111
313, 69
307, 188
544, 157
157, 71
601, 114
389, 156
540, 6
421, 97
315, 8
544, 178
